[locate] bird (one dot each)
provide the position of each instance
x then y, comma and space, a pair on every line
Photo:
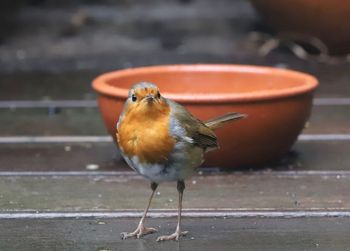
163, 142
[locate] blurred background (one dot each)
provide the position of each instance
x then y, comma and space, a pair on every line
82, 38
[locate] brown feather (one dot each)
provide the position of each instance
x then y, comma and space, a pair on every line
222, 120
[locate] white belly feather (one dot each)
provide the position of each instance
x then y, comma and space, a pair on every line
182, 166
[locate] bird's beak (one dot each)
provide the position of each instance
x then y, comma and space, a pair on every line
149, 99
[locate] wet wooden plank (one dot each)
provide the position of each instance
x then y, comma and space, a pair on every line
305, 156
205, 234
273, 191
329, 119
333, 78
60, 157
87, 121
45, 85
40, 121
318, 155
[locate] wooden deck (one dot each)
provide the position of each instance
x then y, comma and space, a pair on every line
63, 185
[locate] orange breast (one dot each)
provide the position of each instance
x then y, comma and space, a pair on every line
146, 134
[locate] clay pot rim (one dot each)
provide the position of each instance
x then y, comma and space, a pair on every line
100, 84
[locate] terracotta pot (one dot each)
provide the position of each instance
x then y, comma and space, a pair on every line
327, 20
278, 103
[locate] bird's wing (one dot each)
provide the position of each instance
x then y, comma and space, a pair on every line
222, 120
188, 128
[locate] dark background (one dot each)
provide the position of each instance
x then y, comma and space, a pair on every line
76, 40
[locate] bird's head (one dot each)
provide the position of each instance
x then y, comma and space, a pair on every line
145, 97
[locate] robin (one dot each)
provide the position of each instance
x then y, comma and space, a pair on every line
162, 141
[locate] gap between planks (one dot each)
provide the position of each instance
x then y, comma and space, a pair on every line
193, 213
204, 171
13, 104
107, 139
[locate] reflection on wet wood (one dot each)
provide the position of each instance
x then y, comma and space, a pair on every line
204, 234
235, 191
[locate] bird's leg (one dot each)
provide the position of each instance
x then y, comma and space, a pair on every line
178, 232
141, 229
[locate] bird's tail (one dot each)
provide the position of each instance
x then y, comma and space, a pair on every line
222, 120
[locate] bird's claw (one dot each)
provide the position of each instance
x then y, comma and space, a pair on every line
139, 232
175, 236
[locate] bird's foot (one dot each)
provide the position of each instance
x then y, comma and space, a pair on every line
175, 236
140, 231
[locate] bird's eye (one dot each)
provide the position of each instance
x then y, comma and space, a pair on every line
133, 98
158, 95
